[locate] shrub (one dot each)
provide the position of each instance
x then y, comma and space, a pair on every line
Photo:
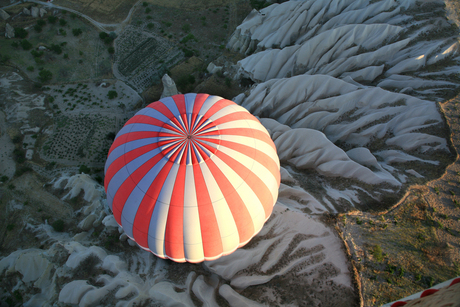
36, 54
186, 28
62, 22
148, 10
37, 28
26, 45
20, 32
377, 253
52, 19
45, 75
77, 31
66, 56
73, 15
62, 32
56, 48
145, 4
41, 22
30, 68
4, 178
108, 40
103, 35
150, 26
58, 225
10, 227
112, 94
84, 169
111, 50
15, 44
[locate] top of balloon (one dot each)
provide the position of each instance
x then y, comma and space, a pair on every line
192, 177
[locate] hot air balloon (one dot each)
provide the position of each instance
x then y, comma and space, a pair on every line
192, 177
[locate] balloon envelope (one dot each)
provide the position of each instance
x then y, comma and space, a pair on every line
192, 177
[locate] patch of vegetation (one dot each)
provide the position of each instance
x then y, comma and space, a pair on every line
186, 28
26, 45
58, 225
52, 19
377, 253
45, 75
84, 169
112, 94
20, 32
77, 31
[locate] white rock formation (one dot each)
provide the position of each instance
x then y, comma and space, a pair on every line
42, 12
213, 68
4, 15
26, 11
170, 88
347, 39
35, 11
9, 31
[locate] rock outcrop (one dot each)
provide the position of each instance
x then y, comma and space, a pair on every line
42, 12
9, 31
170, 88
4, 15
35, 12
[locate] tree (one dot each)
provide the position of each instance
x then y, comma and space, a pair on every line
150, 25
20, 32
45, 75
62, 22
26, 45
112, 94
52, 19
103, 35
111, 50
56, 48
77, 31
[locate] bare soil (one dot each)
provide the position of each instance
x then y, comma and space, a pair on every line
414, 245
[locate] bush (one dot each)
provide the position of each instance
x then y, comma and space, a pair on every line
30, 68
41, 22
62, 22
150, 26
45, 75
103, 35
145, 4
15, 44
148, 10
112, 94
37, 28
73, 15
111, 50
377, 253
84, 169
108, 40
77, 31
58, 225
26, 45
56, 48
52, 19
66, 56
36, 54
4, 178
20, 32
22, 170
186, 28
62, 32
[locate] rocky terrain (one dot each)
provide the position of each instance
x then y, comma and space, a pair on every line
360, 98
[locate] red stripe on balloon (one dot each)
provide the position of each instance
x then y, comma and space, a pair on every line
240, 213
249, 132
210, 234
147, 205
217, 106
162, 108
256, 155
253, 181
131, 136
121, 161
120, 197
240, 115
174, 233
180, 103
145, 119
198, 103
